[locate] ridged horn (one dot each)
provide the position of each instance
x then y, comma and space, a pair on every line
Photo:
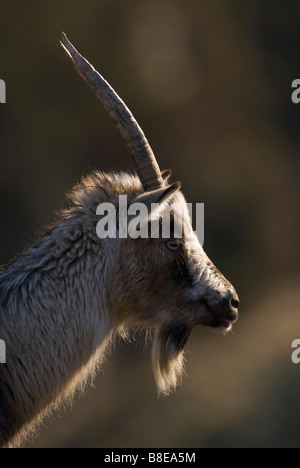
140, 150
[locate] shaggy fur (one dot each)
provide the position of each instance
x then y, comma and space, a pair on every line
65, 300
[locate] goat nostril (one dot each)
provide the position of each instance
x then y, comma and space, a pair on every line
235, 303
232, 300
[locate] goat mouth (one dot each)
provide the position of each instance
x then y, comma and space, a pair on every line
216, 322
220, 325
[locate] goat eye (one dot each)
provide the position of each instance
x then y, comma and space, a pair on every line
173, 245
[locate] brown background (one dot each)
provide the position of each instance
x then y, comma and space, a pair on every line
210, 82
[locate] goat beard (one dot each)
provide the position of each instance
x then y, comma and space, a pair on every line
167, 355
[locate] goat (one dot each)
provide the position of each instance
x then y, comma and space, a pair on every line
64, 301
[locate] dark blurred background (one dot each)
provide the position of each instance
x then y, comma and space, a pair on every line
210, 83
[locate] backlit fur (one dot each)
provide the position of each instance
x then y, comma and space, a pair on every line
65, 300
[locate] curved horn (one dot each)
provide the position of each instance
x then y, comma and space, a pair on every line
143, 156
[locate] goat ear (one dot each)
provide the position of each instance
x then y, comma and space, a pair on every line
159, 196
168, 192
166, 175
